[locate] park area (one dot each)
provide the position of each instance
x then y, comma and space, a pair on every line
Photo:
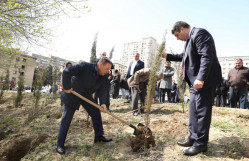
28, 135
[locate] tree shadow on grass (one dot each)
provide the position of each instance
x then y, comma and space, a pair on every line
165, 112
121, 110
229, 147
159, 111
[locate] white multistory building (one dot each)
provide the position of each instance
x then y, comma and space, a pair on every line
147, 48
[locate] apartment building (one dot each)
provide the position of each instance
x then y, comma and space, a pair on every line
15, 63
51, 60
147, 48
227, 63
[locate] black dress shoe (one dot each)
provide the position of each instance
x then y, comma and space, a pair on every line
60, 150
128, 101
142, 111
102, 139
193, 150
185, 143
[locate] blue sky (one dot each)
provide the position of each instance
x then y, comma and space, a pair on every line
121, 21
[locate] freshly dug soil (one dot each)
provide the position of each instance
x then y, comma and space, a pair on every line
143, 138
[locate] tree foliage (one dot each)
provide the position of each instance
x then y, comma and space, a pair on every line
49, 76
181, 84
93, 57
38, 83
111, 52
152, 79
55, 76
25, 20
1, 88
19, 97
6, 80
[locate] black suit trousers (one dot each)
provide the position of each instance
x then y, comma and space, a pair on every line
68, 116
200, 112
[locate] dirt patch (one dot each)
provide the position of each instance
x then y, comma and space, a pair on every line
19, 146
173, 127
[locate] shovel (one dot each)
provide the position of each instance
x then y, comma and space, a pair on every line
99, 107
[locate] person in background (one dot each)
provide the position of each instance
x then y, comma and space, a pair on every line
221, 93
115, 84
158, 94
217, 96
166, 82
202, 72
173, 91
108, 85
178, 95
134, 66
224, 88
238, 78
138, 83
102, 54
12, 85
68, 64
124, 87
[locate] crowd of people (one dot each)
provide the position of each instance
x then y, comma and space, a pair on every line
201, 71
231, 92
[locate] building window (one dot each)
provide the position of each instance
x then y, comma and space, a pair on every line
22, 73
23, 67
24, 60
14, 72
17, 59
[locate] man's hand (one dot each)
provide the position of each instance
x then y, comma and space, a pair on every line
68, 91
164, 54
104, 108
198, 84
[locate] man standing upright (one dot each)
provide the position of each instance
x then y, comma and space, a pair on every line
202, 72
134, 66
166, 82
238, 78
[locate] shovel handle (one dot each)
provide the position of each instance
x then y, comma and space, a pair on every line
99, 107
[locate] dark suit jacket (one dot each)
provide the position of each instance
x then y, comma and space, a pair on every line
139, 65
83, 78
200, 59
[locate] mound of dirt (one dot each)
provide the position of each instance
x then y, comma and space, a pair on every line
144, 138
